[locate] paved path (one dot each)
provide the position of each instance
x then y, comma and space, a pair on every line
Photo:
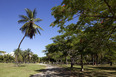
50, 71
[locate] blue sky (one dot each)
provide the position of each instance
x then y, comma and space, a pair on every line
10, 35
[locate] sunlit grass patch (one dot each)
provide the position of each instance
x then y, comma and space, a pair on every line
25, 70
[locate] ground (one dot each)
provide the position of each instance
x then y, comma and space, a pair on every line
66, 71
46, 70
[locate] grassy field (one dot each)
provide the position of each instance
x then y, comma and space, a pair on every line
91, 71
25, 70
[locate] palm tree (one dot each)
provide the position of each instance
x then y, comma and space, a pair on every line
16, 52
29, 54
29, 28
2, 52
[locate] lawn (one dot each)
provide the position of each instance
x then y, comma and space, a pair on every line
91, 71
25, 70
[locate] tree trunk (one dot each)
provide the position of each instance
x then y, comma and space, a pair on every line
57, 61
110, 63
93, 60
72, 63
61, 61
66, 60
19, 48
82, 63
96, 59
49, 60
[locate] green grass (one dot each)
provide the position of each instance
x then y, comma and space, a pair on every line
92, 71
25, 70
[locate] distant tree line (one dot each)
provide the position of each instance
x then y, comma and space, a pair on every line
6, 58
24, 56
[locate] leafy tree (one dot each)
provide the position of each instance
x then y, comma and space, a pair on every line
29, 54
6, 58
95, 25
19, 53
35, 58
110, 55
2, 52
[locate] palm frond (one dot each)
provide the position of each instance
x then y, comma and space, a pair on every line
38, 31
34, 13
36, 26
23, 17
29, 13
24, 27
37, 20
22, 21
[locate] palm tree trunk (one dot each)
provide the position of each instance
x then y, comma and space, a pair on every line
19, 48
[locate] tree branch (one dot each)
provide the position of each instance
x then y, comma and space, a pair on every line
100, 16
109, 7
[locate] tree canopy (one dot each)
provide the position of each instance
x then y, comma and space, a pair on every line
92, 34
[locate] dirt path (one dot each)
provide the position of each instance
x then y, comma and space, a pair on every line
50, 71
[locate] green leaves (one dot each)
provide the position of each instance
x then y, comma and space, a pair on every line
24, 27
26, 56
22, 21
34, 13
94, 28
30, 28
29, 13
37, 20
23, 17
37, 27
2, 52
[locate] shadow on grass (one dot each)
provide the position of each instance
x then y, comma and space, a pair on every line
105, 68
74, 72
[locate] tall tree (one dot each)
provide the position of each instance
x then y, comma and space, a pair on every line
96, 18
29, 28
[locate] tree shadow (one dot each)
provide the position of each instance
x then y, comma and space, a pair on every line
73, 72
54, 72
105, 68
